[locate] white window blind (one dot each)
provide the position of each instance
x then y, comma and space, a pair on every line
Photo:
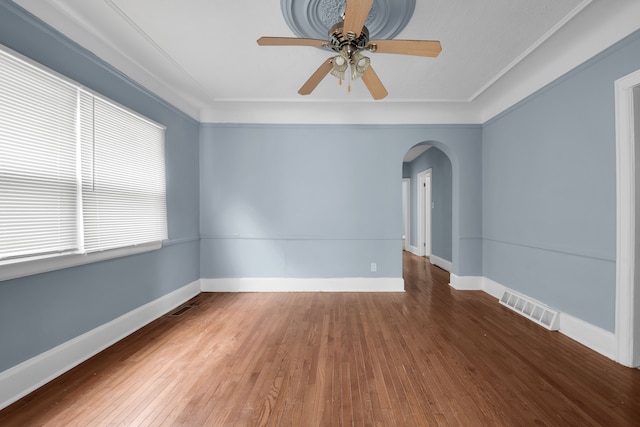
78, 173
123, 179
38, 185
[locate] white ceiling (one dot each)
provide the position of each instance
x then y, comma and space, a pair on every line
202, 56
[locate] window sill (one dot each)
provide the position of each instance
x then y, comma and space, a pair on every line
15, 270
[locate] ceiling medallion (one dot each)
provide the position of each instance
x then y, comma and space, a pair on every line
313, 18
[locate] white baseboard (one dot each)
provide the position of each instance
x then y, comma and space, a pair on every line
494, 289
441, 262
347, 284
597, 339
466, 283
414, 250
22, 379
591, 336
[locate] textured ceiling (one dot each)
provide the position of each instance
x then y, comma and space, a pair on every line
202, 56
312, 18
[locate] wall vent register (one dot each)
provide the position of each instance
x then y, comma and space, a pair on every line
531, 309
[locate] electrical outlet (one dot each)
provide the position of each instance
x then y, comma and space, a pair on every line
374, 267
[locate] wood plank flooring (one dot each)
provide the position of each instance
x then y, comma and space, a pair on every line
431, 356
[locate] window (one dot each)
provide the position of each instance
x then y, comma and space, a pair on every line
123, 184
38, 213
79, 175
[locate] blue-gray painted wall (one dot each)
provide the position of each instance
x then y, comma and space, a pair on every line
532, 200
325, 200
441, 194
41, 311
549, 208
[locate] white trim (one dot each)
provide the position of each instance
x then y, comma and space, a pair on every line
625, 221
44, 264
407, 211
268, 284
22, 379
591, 336
494, 289
574, 43
414, 250
584, 37
441, 262
466, 283
43, 68
21, 267
424, 215
534, 46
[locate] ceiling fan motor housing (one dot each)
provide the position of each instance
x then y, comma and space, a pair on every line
339, 41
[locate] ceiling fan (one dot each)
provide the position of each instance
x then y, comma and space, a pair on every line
349, 38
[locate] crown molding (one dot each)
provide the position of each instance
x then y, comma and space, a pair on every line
595, 28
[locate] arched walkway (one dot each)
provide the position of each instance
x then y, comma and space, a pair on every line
437, 211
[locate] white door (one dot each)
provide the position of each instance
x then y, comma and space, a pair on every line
424, 212
406, 206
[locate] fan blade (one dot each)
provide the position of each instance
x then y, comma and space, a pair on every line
290, 41
373, 83
429, 48
316, 77
355, 16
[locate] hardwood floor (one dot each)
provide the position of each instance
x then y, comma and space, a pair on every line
429, 356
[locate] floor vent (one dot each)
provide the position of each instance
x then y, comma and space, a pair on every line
192, 303
531, 309
181, 311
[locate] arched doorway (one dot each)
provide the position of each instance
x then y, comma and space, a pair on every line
428, 171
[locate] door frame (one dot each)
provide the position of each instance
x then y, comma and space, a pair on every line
626, 309
406, 194
424, 200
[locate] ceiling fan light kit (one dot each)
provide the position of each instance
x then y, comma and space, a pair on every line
348, 47
340, 63
349, 38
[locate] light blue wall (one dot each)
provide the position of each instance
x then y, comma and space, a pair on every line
549, 190
277, 201
42, 311
532, 200
324, 201
441, 194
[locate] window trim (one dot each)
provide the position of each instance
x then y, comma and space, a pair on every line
14, 269
22, 267
76, 84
